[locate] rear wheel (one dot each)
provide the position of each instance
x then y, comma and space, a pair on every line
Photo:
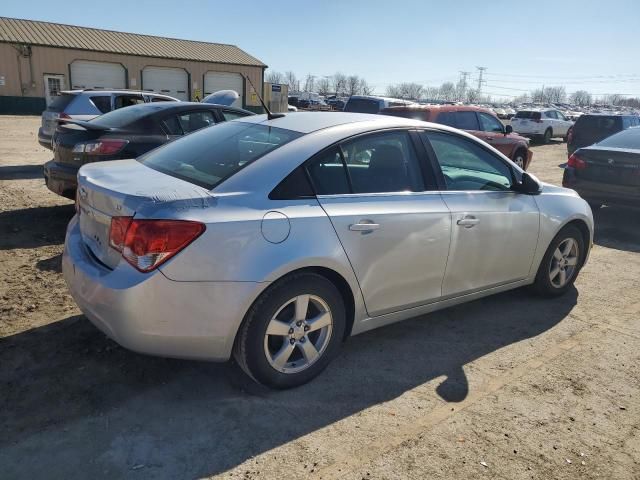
546, 138
561, 263
292, 332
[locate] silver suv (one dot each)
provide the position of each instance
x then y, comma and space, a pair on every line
88, 104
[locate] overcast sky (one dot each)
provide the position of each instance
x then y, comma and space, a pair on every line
581, 44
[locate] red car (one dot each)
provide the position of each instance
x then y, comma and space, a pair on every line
480, 122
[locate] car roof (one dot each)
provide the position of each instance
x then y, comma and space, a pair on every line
307, 122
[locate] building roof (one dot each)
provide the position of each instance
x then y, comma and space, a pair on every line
32, 32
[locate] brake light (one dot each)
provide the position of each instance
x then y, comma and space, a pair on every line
108, 146
146, 244
576, 162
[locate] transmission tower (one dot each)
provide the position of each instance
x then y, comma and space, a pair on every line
481, 81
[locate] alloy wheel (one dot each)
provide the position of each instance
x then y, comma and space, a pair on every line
563, 263
298, 334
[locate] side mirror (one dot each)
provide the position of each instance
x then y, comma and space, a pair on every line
529, 185
508, 129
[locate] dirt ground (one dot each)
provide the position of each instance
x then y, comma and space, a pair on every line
511, 387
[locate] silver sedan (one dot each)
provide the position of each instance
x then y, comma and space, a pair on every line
274, 240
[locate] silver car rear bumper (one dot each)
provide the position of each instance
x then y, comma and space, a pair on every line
149, 313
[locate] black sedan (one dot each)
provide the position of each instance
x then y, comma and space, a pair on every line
125, 133
608, 172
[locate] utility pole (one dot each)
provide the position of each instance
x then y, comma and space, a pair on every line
542, 94
480, 79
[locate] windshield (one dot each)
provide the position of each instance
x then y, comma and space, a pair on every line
209, 156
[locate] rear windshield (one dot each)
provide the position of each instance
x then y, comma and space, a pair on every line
60, 102
602, 126
211, 155
629, 138
528, 114
362, 105
127, 115
407, 113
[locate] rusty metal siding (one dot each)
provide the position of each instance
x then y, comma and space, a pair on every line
68, 36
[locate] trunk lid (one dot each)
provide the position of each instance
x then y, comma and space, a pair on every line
66, 137
610, 165
124, 188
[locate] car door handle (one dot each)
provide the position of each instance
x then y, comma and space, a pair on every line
468, 222
364, 226
489, 139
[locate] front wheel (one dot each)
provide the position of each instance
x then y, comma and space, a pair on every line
292, 331
519, 158
546, 138
561, 263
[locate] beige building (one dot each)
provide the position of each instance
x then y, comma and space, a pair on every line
39, 59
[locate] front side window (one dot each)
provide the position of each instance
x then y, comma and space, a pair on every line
467, 166
377, 163
489, 123
209, 156
192, 121
467, 121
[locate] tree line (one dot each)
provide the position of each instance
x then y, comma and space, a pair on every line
337, 84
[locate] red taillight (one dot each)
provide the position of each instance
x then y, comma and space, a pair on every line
108, 146
576, 162
118, 231
146, 244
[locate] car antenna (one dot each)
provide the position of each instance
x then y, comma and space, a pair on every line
270, 114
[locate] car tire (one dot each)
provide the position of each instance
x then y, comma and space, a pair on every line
566, 247
286, 357
546, 138
519, 158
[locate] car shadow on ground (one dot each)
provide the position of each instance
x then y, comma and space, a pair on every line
20, 172
73, 401
34, 227
618, 228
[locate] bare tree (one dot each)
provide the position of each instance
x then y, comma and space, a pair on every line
581, 98
310, 83
292, 81
324, 86
472, 95
555, 94
613, 99
274, 77
365, 88
339, 83
407, 90
353, 85
448, 91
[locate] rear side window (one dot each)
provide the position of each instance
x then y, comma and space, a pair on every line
172, 126
209, 156
122, 101
362, 105
102, 103
467, 121
446, 118
376, 163
528, 115
160, 99
60, 102
229, 115
192, 121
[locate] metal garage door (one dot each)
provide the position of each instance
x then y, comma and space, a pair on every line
215, 81
166, 80
100, 75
